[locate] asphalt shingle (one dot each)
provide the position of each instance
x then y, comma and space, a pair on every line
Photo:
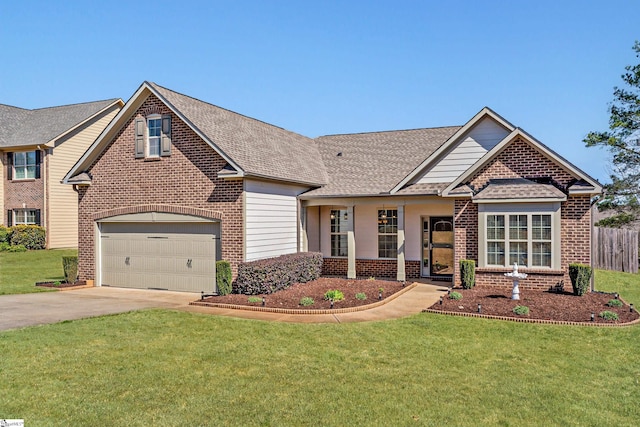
367, 164
21, 127
518, 188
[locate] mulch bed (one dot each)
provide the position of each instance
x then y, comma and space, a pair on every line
290, 298
59, 285
542, 305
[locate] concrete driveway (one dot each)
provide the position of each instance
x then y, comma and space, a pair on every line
18, 311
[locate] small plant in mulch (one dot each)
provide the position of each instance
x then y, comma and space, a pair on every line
57, 283
615, 303
334, 295
455, 296
306, 301
521, 310
253, 300
361, 296
371, 279
608, 315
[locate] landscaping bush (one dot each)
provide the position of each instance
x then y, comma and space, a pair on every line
334, 295
608, 315
223, 277
5, 234
306, 301
70, 268
521, 310
253, 300
455, 296
30, 236
468, 273
269, 275
580, 275
615, 303
361, 296
6, 247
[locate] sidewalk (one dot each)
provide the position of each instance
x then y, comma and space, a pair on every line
414, 301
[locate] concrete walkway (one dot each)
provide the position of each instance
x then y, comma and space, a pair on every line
18, 311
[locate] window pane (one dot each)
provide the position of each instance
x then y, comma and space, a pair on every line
495, 253
338, 245
387, 246
518, 253
541, 256
517, 227
541, 227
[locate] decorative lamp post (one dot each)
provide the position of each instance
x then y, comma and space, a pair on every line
515, 294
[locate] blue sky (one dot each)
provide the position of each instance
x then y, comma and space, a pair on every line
330, 67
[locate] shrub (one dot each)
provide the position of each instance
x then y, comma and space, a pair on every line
254, 299
580, 275
223, 277
70, 268
30, 236
5, 234
608, 315
306, 301
468, 273
455, 296
615, 303
334, 295
361, 296
5, 247
269, 275
521, 310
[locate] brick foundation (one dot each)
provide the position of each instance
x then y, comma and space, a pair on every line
379, 268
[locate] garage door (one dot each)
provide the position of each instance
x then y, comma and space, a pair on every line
164, 255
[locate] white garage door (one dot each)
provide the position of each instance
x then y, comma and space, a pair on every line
177, 256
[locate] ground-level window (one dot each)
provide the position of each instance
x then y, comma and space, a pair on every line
387, 233
526, 238
339, 232
24, 217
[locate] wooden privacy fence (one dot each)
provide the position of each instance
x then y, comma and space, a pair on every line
615, 249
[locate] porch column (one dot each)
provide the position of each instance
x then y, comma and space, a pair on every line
304, 240
351, 245
401, 276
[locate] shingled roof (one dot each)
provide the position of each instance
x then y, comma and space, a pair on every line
258, 148
20, 127
518, 188
367, 164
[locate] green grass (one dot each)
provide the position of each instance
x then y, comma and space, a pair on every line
160, 367
169, 368
20, 271
627, 285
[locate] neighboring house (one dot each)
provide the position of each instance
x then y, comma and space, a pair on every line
175, 183
37, 148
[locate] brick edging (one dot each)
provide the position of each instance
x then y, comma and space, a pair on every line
525, 320
305, 311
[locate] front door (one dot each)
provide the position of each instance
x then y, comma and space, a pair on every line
441, 246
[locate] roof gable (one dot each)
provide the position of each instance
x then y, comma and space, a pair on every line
21, 128
251, 147
457, 153
519, 155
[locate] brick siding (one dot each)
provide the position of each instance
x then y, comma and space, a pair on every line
520, 159
29, 192
186, 182
379, 268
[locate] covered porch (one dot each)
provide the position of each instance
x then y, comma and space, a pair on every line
384, 237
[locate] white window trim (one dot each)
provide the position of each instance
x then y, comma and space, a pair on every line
343, 213
14, 175
386, 234
147, 147
528, 209
24, 212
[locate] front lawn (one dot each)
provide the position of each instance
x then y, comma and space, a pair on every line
162, 367
20, 271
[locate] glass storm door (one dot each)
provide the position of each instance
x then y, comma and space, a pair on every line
441, 246
425, 248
